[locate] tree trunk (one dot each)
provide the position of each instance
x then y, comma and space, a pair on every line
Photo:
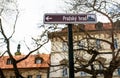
1, 74
17, 73
108, 74
94, 77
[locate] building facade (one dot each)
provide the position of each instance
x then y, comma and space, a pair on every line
35, 66
59, 43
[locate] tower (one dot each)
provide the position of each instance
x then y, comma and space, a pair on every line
18, 50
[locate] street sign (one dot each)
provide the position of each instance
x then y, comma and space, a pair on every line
54, 18
69, 19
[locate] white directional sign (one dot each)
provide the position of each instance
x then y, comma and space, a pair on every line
69, 18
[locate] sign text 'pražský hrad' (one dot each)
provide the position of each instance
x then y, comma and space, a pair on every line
69, 18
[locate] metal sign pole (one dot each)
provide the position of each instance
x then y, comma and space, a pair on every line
69, 19
70, 52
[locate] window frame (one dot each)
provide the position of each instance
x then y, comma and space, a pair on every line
81, 44
29, 76
38, 60
38, 76
9, 61
64, 46
12, 77
98, 44
65, 72
115, 43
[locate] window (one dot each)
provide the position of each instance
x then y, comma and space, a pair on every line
81, 44
115, 43
38, 60
119, 71
82, 73
98, 46
9, 61
82, 27
65, 46
99, 26
100, 67
12, 76
64, 71
29, 76
117, 24
38, 76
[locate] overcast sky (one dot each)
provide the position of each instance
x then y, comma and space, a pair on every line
32, 11
30, 17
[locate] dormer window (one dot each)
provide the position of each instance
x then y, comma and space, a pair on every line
38, 60
9, 61
99, 26
117, 24
82, 26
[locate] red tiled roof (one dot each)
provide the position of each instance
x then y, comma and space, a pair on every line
27, 63
87, 27
90, 27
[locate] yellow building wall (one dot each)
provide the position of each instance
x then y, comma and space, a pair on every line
26, 72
